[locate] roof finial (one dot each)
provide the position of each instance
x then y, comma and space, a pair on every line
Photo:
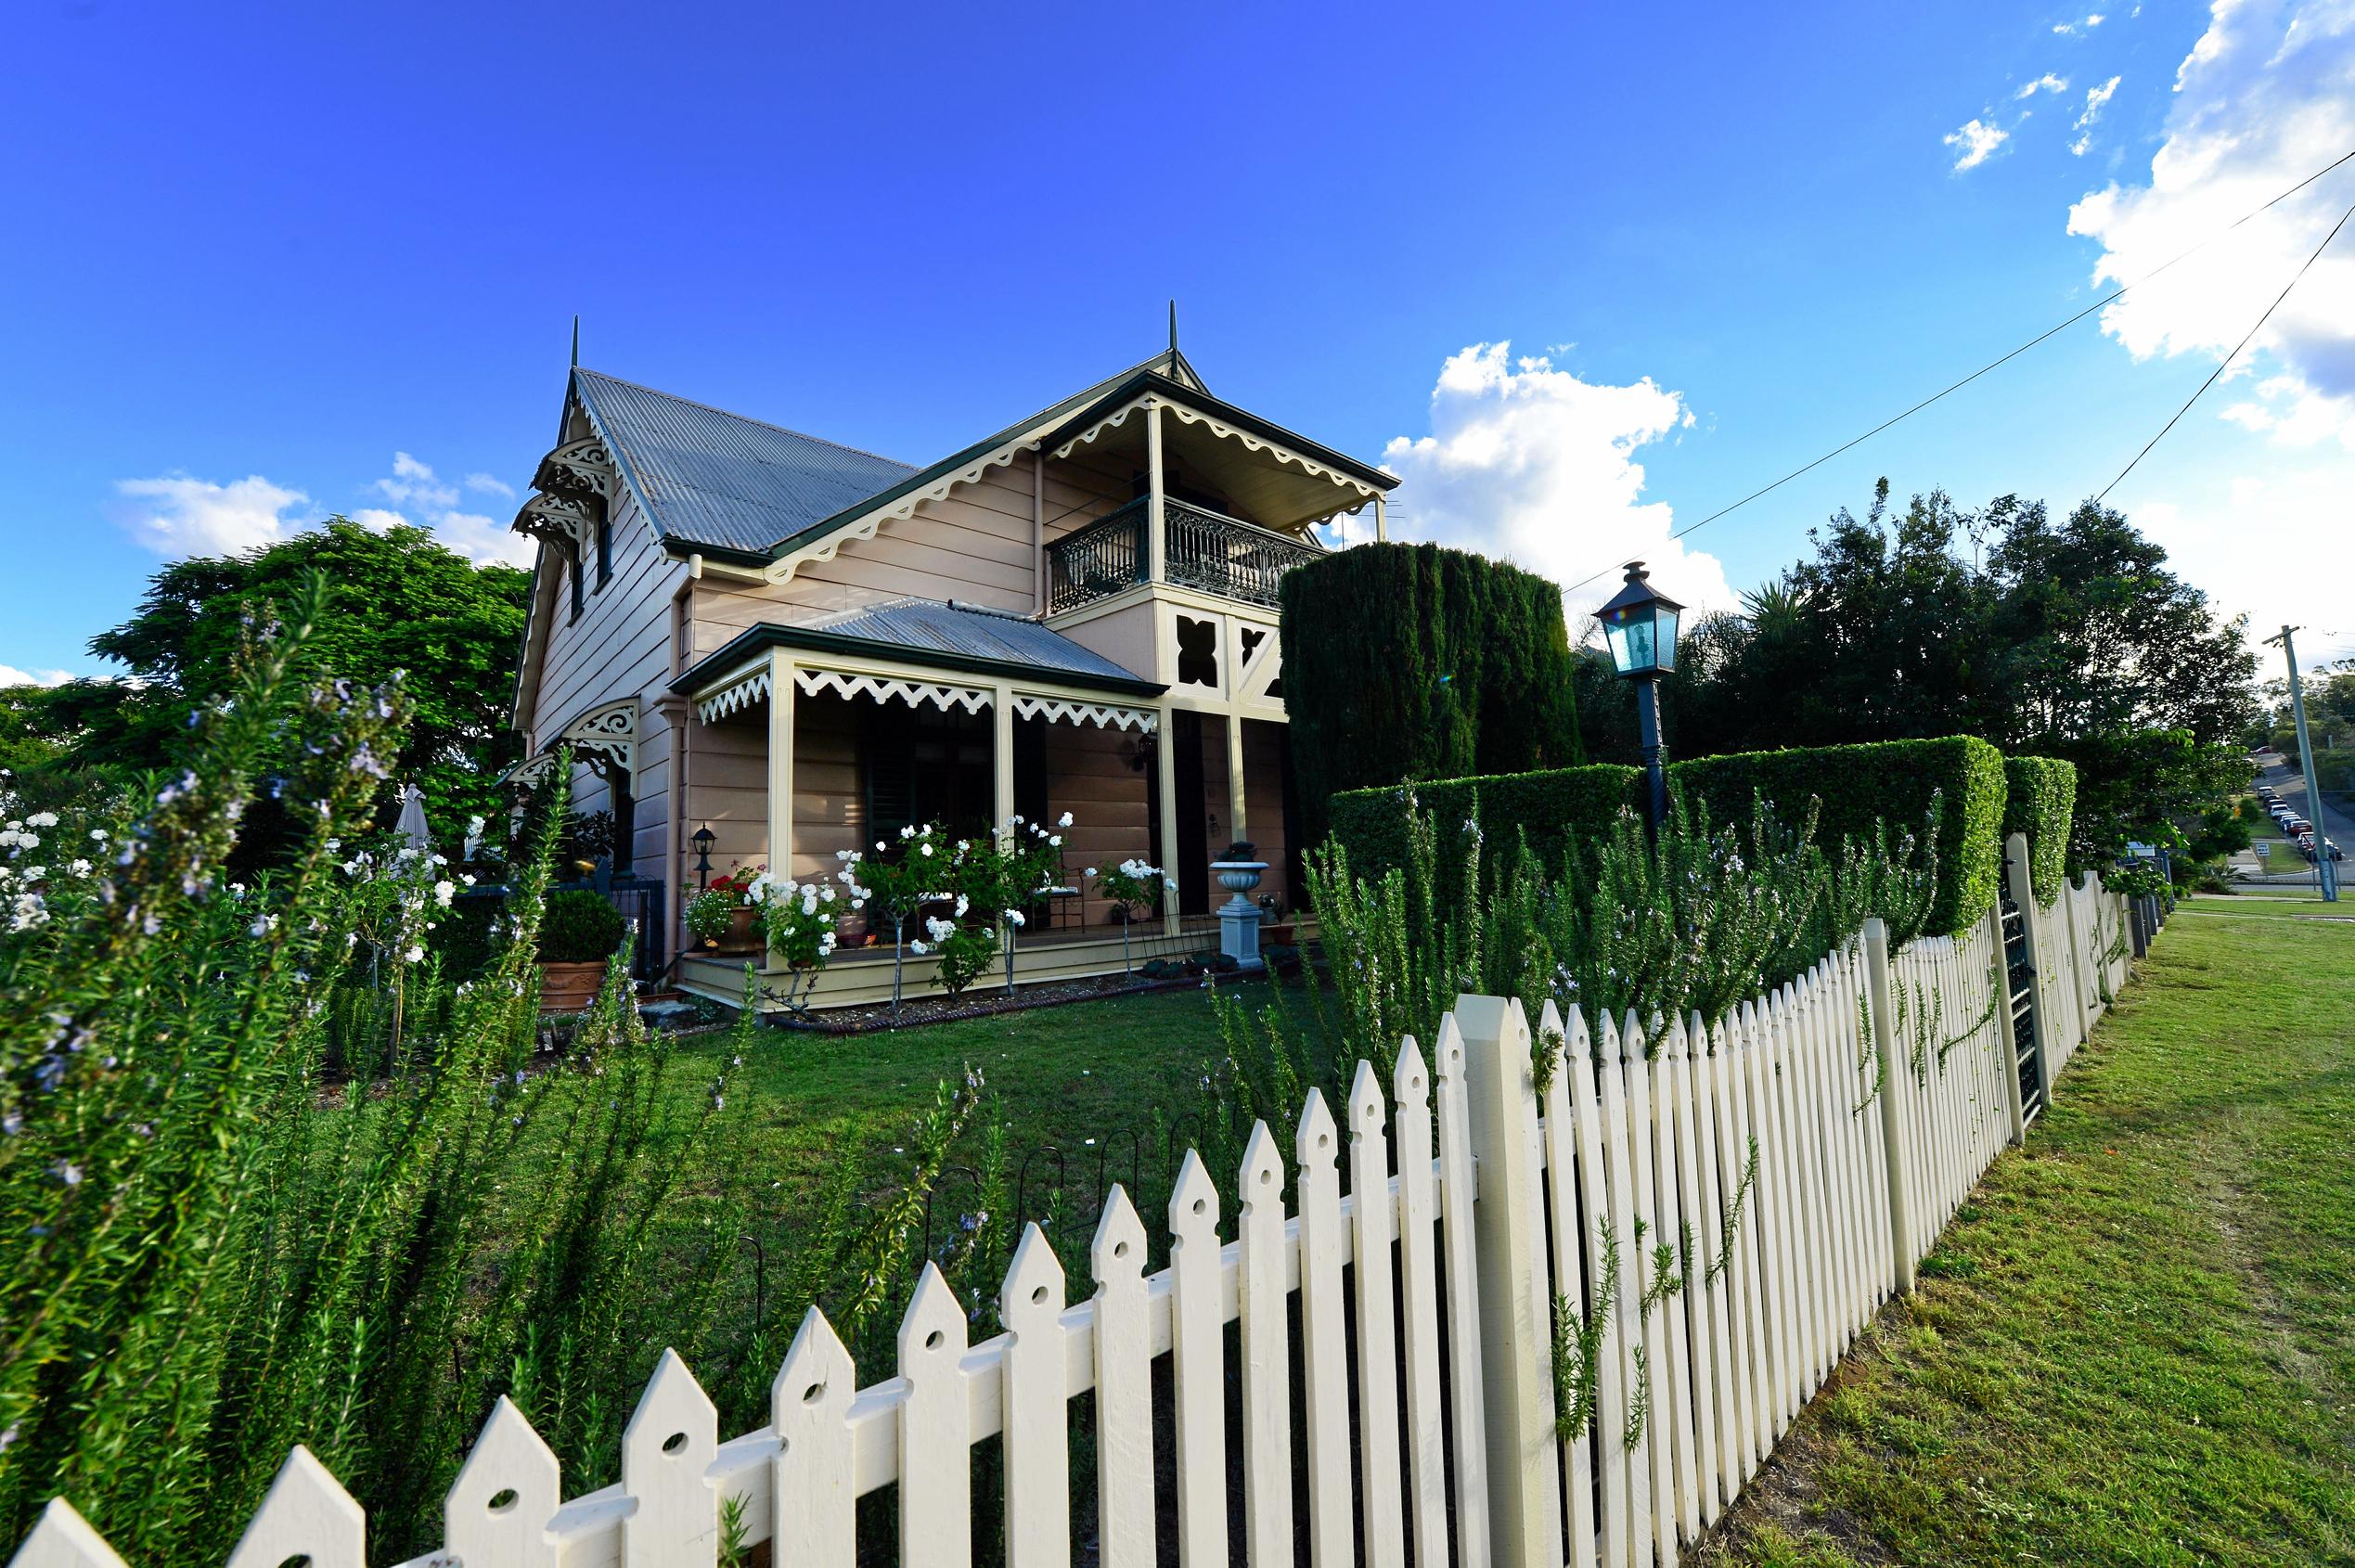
1173, 330
576, 340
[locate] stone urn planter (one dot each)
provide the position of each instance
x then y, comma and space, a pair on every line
569, 987
1239, 921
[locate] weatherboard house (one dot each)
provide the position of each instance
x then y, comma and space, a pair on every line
803, 647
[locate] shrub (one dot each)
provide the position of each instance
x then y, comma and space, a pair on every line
1407, 661
1886, 784
1549, 810
579, 927
2040, 799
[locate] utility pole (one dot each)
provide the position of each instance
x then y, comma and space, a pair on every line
2326, 874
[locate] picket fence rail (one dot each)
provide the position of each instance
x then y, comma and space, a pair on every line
1569, 1300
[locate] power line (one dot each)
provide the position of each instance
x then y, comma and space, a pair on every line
1995, 364
2228, 359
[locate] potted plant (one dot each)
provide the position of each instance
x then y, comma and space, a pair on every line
1239, 869
729, 911
580, 931
1274, 929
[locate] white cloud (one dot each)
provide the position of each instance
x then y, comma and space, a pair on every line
2048, 83
11, 675
2089, 24
413, 482
2265, 98
485, 541
1977, 141
2299, 512
482, 540
2096, 99
490, 485
1533, 465
179, 515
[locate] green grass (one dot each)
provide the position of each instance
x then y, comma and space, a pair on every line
2137, 1342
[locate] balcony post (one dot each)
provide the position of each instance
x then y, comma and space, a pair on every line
1156, 531
780, 771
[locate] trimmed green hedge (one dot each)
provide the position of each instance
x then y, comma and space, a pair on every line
2040, 800
1889, 781
1549, 806
1410, 662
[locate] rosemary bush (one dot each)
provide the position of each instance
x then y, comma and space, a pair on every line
1695, 920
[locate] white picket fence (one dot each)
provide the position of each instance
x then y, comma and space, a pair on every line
1796, 1161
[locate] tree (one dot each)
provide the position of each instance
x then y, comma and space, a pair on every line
1412, 662
2065, 640
396, 600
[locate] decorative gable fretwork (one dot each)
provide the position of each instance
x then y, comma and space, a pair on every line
568, 522
1101, 714
605, 738
577, 468
576, 484
884, 689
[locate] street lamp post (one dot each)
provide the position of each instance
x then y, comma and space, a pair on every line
1639, 624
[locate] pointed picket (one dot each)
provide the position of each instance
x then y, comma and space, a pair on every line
1569, 1283
1383, 1523
1457, 1193
1036, 1398
666, 1452
1676, 1230
1324, 1336
506, 1491
1627, 1477
936, 1431
1419, 1287
1700, 1219
1197, 1345
1124, 1348
816, 1523
64, 1540
1267, 1375
306, 1513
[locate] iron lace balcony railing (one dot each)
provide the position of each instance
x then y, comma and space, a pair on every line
1101, 559
1204, 552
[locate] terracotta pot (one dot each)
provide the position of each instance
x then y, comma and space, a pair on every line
1276, 934
743, 932
569, 987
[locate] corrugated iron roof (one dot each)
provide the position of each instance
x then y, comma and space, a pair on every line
966, 631
719, 478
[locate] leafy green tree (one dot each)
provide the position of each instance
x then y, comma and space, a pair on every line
396, 600
2066, 638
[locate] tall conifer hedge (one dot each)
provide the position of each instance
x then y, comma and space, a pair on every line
1410, 661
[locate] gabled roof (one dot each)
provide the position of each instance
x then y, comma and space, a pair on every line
740, 488
710, 478
942, 635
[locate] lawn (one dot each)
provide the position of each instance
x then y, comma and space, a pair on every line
1075, 1097
2137, 1342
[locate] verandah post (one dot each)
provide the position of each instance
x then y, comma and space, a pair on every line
1894, 1131
1516, 1304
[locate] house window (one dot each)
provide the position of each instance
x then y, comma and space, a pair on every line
571, 567
604, 547
920, 764
1197, 652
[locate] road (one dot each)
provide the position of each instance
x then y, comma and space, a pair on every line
2291, 785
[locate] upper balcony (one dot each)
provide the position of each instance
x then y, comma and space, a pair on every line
1202, 550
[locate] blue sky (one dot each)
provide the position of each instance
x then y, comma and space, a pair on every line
268, 262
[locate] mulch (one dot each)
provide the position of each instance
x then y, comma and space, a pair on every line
917, 1012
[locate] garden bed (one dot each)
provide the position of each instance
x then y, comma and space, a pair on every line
915, 1012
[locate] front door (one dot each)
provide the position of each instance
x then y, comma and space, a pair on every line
1193, 830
